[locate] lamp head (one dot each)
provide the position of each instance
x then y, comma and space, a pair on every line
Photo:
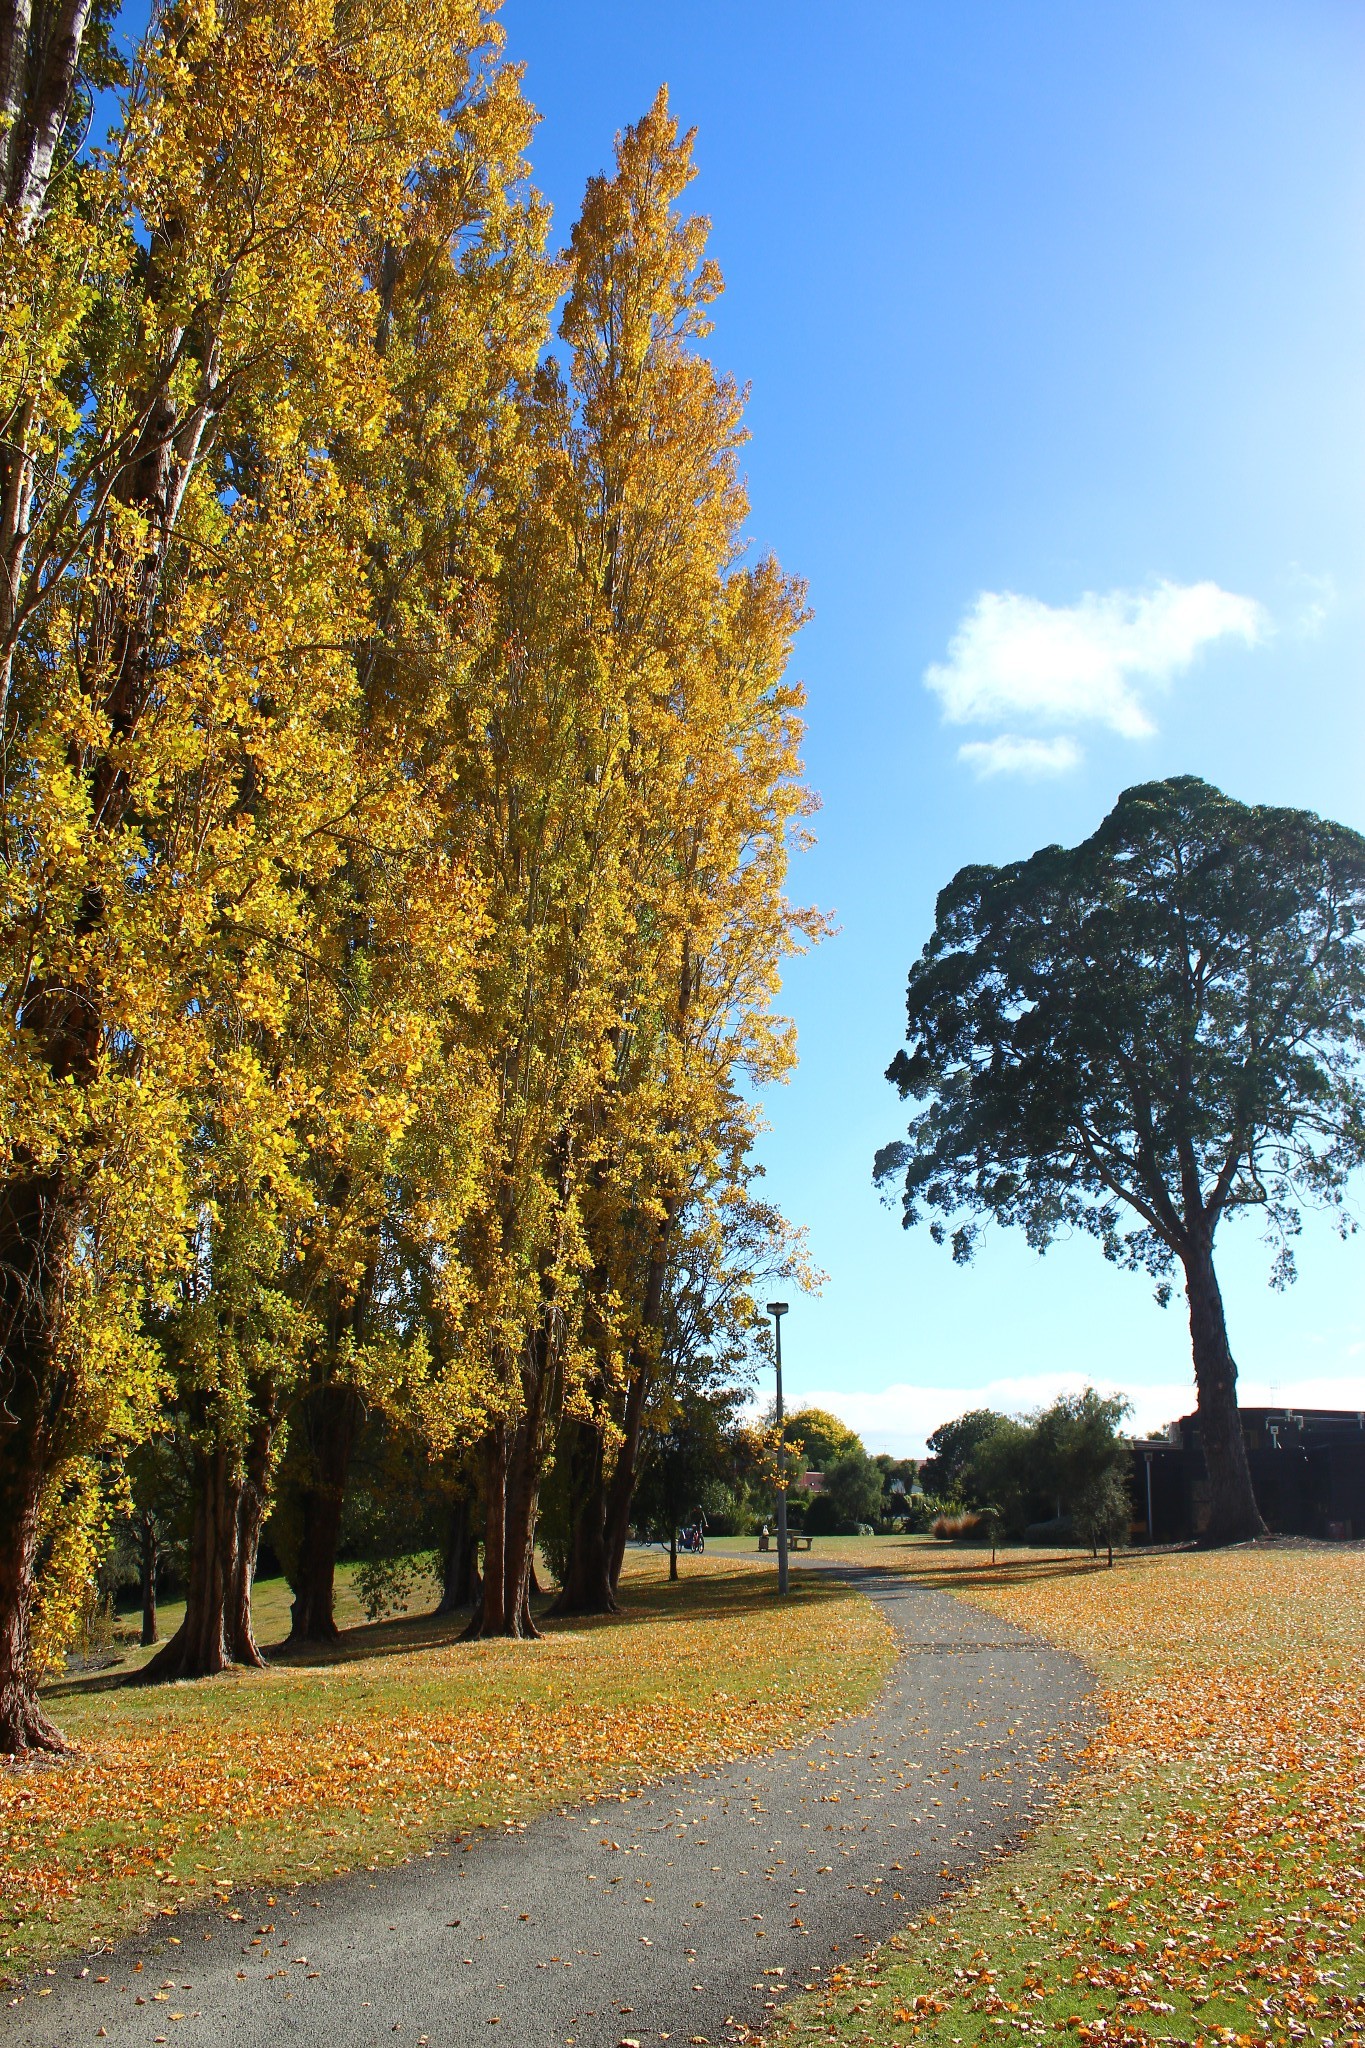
777, 1308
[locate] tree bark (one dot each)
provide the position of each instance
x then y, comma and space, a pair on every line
587, 1587
490, 1615
625, 1472
216, 1632
23, 1724
253, 1506
513, 1458
38, 66
151, 1556
1235, 1516
523, 1497
35, 1231
621, 1492
331, 1417
460, 1582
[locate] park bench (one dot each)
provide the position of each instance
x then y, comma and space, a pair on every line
766, 1542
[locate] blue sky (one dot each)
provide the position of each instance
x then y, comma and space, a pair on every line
1040, 302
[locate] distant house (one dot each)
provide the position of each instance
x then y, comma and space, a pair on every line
811, 1482
1307, 1468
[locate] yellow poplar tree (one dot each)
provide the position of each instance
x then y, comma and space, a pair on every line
657, 508
184, 596
462, 297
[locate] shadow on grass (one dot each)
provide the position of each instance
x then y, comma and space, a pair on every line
717, 1595
1005, 1570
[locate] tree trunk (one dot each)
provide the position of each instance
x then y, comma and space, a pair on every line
512, 1468
331, 1418
35, 96
216, 1632
150, 1559
38, 71
1235, 1516
523, 1499
35, 1223
23, 1724
673, 1551
460, 1581
253, 1506
621, 1492
625, 1472
490, 1615
587, 1587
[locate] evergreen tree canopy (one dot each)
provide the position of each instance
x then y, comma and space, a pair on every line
1135, 1037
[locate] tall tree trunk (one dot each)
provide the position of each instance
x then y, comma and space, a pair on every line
1235, 1516
523, 1499
216, 1632
490, 1616
331, 1418
460, 1582
621, 1492
35, 1225
23, 1470
625, 1472
151, 1557
515, 1460
253, 1506
587, 1587
38, 66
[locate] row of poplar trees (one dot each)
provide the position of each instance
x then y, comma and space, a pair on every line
399, 774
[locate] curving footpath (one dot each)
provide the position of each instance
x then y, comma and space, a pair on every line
680, 1914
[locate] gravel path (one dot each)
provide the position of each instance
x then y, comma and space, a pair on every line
672, 1915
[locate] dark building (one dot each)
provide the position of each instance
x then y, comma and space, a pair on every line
1307, 1467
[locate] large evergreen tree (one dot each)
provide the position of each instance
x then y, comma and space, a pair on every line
1137, 1037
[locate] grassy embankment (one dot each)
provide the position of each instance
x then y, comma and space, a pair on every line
1203, 1879
323, 1763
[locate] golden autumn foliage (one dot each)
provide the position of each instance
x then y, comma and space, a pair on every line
399, 773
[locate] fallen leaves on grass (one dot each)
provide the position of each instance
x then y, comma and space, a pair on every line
292, 1773
1203, 1880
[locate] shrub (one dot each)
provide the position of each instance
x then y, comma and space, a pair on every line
922, 1510
968, 1528
1057, 1530
1102, 1512
384, 1584
822, 1516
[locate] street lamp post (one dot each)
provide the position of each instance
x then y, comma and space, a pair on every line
777, 1309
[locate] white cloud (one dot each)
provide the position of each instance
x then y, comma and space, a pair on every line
1011, 755
1318, 601
1092, 662
899, 1418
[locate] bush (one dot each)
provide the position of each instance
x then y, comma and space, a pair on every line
822, 1517
922, 1510
384, 1584
1058, 1529
1102, 1511
968, 1528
